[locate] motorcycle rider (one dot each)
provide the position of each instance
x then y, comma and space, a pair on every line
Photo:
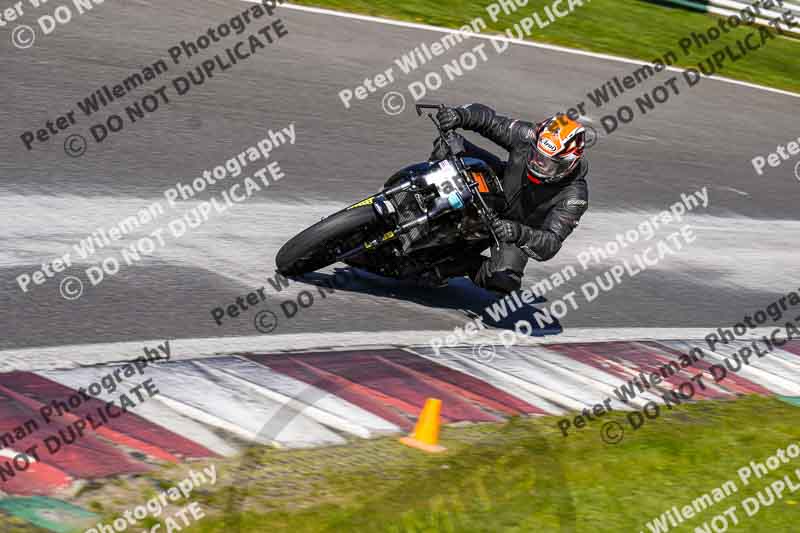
545, 186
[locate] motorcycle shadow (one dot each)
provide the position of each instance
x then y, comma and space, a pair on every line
498, 311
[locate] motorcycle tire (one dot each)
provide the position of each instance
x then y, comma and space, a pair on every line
319, 245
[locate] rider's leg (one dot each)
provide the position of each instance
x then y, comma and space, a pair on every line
502, 272
466, 263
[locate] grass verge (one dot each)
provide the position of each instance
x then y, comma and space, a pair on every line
519, 476
629, 28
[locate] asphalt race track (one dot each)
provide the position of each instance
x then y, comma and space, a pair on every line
705, 137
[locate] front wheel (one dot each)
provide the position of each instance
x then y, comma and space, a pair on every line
320, 245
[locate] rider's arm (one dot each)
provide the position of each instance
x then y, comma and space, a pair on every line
503, 131
543, 243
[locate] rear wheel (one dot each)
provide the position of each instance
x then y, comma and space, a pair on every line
320, 245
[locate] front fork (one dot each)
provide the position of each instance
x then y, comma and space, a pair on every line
386, 212
455, 201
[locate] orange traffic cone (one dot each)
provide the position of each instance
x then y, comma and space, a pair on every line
426, 433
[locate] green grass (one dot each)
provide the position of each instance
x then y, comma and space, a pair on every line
521, 476
516, 477
629, 28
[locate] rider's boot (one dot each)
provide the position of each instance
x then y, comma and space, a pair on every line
502, 272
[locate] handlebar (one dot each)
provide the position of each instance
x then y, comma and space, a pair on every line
420, 107
455, 146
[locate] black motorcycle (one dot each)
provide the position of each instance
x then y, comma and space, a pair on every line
426, 215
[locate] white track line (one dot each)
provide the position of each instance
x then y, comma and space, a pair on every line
71, 356
532, 44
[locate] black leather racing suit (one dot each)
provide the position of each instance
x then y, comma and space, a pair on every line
549, 212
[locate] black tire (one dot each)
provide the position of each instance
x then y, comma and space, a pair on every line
316, 247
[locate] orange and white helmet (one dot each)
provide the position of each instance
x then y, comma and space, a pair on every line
558, 146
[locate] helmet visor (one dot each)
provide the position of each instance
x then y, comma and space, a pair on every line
548, 168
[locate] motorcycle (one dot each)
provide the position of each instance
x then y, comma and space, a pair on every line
426, 215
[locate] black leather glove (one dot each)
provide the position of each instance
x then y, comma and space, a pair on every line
507, 230
449, 118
